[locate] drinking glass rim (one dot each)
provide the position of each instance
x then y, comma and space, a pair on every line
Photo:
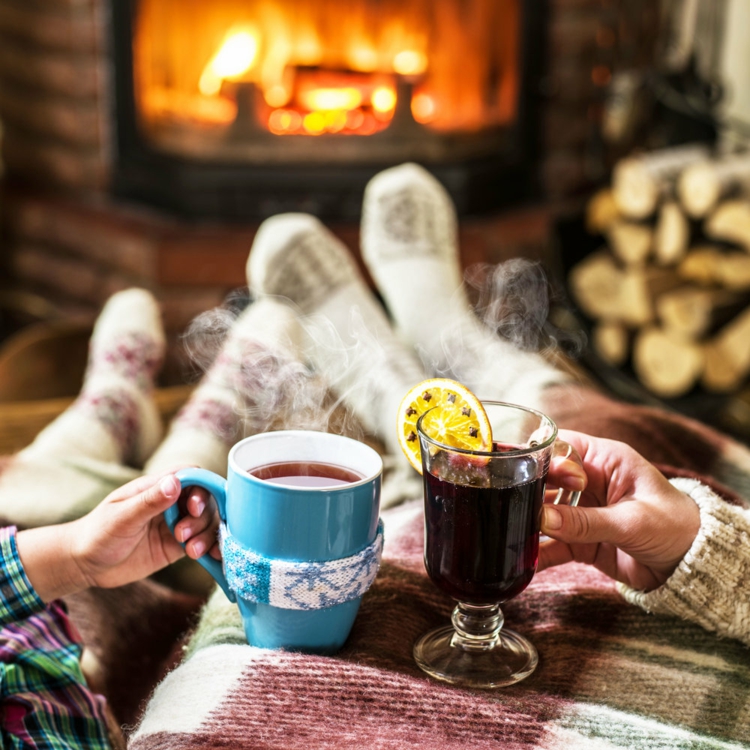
495, 454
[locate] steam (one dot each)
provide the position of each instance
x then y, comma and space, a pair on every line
349, 378
274, 387
514, 301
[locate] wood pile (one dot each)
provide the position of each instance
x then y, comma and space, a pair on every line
669, 292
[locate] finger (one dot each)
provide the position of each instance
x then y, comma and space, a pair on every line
189, 527
197, 502
585, 525
154, 500
568, 474
552, 552
199, 545
134, 487
173, 550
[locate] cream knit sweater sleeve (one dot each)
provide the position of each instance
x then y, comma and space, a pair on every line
711, 586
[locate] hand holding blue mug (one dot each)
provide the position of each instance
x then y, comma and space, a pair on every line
300, 535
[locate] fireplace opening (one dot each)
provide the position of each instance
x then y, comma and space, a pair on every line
244, 108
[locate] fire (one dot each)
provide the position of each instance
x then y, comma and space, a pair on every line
234, 58
310, 67
327, 100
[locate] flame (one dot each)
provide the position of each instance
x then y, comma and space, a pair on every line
324, 66
235, 57
383, 99
327, 99
409, 62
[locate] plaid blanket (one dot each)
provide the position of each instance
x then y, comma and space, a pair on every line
610, 675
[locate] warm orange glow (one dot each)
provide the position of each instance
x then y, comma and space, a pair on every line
410, 63
323, 66
383, 99
314, 123
423, 108
234, 58
331, 99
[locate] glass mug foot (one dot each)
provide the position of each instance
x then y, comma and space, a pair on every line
493, 658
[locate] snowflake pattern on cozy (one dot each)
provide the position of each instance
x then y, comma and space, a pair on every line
135, 356
290, 584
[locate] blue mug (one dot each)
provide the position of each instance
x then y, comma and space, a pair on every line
296, 559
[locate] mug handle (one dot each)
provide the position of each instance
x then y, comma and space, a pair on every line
217, 486
561, 449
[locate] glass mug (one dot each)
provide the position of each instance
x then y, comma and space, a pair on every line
482, 518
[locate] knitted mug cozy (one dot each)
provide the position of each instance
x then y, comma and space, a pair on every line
291, 584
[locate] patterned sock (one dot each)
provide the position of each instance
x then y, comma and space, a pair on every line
350, 341
80, 457
246, 389
409, 242
114, 418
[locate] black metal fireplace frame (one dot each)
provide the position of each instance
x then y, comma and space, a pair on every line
241, 192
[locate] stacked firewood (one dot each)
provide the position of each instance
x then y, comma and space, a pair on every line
669, 293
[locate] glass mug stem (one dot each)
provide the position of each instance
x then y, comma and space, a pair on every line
477, 627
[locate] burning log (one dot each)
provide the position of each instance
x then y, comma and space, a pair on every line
672, 235
702, 185
668, 364
639, 182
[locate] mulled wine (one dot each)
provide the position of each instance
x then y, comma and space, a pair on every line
306, 474
482, 525
482, 511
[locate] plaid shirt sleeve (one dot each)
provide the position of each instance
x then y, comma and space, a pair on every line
45, 703
18, 600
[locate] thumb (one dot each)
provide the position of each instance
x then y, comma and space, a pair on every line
156, 499
576, 525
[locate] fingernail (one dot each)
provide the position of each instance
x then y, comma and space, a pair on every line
201, 507
168, 485
199, 548
552, 519
577, 483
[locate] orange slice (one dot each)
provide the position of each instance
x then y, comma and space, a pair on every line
456, 418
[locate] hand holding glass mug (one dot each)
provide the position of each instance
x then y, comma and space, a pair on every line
631, 524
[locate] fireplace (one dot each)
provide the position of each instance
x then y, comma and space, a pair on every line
240, 109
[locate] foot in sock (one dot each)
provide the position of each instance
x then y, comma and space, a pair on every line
410, 246
350, 341
114, 418
80, 457
245, 390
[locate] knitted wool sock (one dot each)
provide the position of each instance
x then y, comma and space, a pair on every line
350, 341
114, 418
79, 458
409, 242
245, 390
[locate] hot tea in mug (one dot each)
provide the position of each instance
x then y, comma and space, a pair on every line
300, 536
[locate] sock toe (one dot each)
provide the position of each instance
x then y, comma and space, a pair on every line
295, 256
